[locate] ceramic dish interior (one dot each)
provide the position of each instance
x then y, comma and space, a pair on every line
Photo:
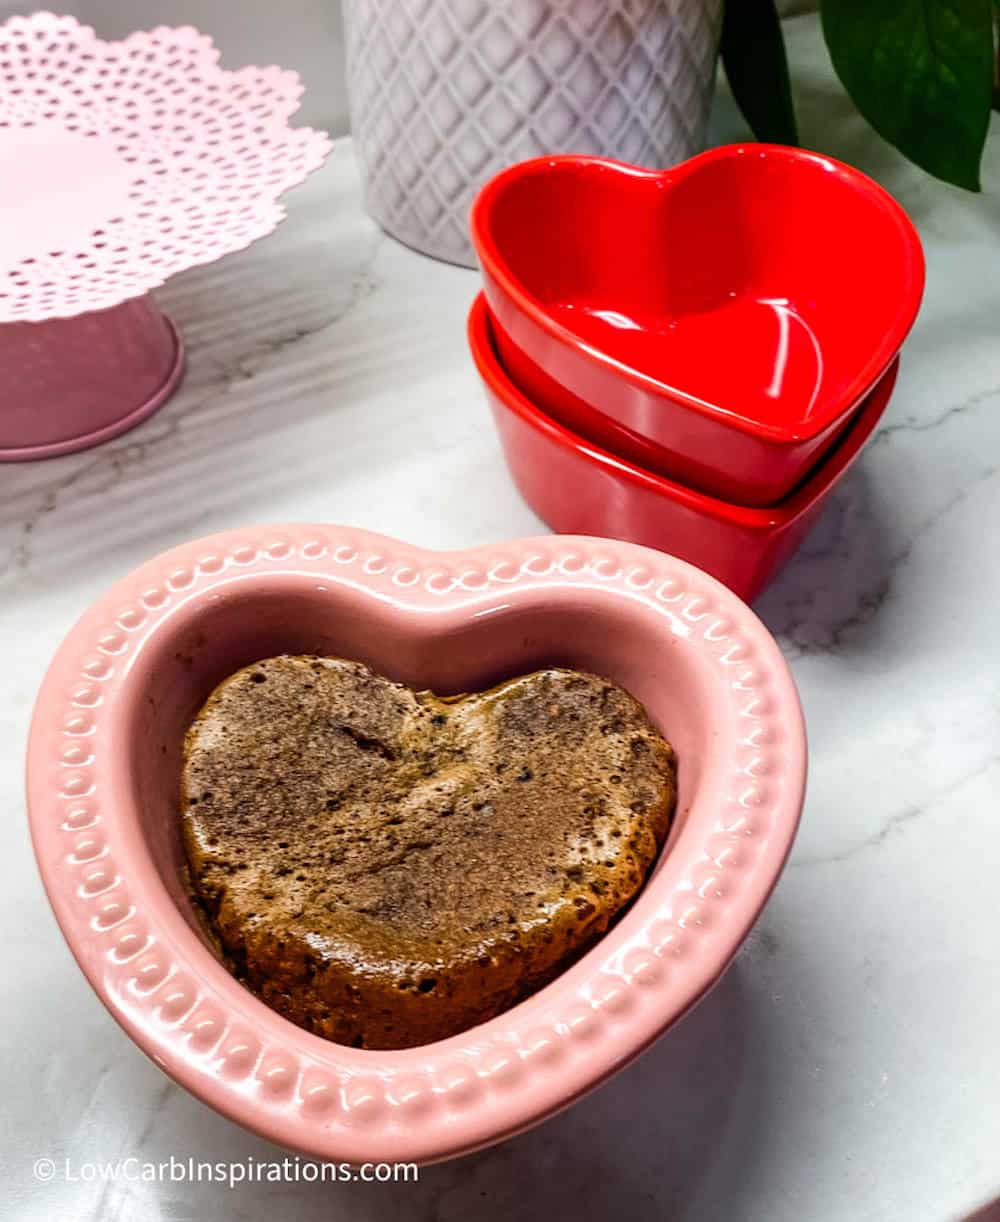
104, 759
764, 285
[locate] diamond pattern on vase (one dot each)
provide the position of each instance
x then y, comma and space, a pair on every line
445, 93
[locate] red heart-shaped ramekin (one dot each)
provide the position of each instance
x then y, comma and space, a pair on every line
104, 759
721, 320
580, 488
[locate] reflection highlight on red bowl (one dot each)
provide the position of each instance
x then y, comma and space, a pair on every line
727, 316
578, 487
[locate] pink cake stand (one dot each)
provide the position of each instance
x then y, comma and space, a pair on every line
121, 164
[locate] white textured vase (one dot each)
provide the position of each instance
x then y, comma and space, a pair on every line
444, 93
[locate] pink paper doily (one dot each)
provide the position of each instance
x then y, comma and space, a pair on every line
125, 162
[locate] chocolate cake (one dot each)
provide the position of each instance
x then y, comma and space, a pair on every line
387, 867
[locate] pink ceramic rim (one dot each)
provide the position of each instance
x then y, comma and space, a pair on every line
184, 1010
86, 441
910, 290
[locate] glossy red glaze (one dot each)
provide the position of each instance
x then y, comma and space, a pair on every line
719, 322
578, 488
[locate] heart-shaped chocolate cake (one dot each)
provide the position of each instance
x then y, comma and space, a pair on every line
387, 867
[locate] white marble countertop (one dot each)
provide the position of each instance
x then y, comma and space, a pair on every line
848, 1065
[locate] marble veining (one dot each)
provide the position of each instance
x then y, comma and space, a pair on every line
896, 823
846, 1066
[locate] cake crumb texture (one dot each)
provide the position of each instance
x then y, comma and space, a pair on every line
387, 867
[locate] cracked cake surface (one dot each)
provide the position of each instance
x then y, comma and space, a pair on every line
386, 867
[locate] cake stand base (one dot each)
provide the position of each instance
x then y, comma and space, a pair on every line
72, 383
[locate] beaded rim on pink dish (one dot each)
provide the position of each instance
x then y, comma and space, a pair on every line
126, 162
183, 1009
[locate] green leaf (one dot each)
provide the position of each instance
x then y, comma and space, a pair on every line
996, 64
921, 73
753, 53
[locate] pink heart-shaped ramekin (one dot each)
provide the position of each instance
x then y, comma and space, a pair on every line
725, 317
104, 758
